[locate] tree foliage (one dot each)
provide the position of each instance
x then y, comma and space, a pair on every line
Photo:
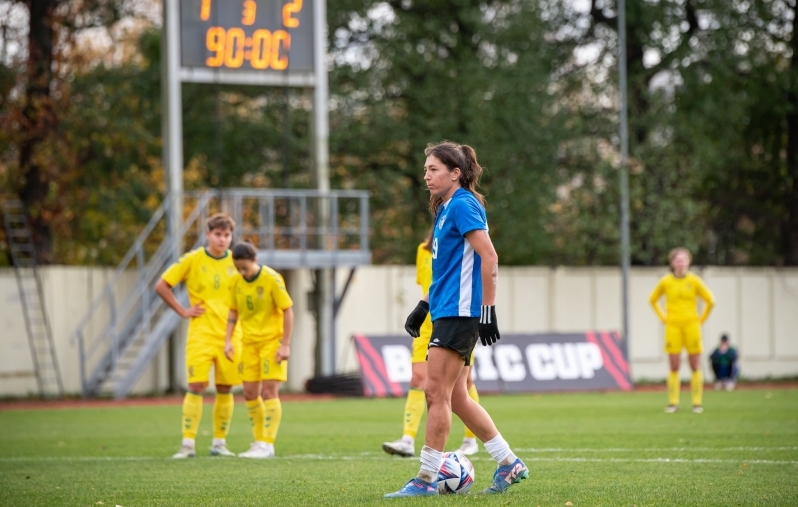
531, 84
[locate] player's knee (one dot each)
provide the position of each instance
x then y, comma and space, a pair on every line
250, 391
418, 380
270, 390
197, 387
435, 396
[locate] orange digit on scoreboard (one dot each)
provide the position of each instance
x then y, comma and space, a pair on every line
205, 10
215, 42
289, 10
248, 15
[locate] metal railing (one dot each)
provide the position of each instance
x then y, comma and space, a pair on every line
298, 220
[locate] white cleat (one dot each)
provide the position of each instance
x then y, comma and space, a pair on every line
729, 385
698, 409
184, 452
221, 450
468, 447
258, 450
400, 448
671, 409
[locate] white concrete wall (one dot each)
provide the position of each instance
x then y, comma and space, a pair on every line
68, 294
757, 307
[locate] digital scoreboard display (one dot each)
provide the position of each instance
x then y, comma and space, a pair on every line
273, 36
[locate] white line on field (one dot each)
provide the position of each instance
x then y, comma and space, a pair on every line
653, 449
667, 460
372, 456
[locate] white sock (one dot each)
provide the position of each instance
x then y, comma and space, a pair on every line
499, 449
430, 464
188, 442
408, 439
218, 441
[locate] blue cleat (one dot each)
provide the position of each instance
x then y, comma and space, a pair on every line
507, 475
415, 487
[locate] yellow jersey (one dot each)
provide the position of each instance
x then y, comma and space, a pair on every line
423, 268
681, 295
260, 303
208, 282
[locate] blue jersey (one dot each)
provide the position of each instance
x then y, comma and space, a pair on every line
456, 289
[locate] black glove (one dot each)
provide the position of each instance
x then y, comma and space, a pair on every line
488, 327
416, 318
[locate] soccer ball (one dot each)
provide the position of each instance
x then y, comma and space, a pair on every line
456, 474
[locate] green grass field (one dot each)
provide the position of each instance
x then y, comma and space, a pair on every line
614, 449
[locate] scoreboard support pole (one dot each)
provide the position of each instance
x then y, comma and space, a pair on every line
325, 334
172, 154
172, 120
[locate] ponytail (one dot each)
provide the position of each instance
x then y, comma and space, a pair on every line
428, 238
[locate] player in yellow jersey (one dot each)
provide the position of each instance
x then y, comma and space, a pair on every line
416, 402
259, 301
682, 289
207, 272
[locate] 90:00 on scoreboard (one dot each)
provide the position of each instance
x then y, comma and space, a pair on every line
262, 50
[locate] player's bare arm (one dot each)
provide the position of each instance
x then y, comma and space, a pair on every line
483, 246
229, 350
164, 290
284, 351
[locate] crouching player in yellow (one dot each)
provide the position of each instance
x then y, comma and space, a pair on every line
207, 272
682, 324
416, 401
259, 300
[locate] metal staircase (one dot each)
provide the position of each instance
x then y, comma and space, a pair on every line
134, 321
127, 324
37, 325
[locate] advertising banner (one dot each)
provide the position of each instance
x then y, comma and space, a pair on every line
595, 360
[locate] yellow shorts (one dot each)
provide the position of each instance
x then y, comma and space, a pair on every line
200, 355
259, 362
421, 344
680, 335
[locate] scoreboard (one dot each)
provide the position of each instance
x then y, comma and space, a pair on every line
247, 41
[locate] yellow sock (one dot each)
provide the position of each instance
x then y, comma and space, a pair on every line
192, 413
273, 415
474, 395
414, 409
697, 387
673, 388
256, 416
222, 414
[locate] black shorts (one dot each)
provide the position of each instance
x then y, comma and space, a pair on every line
459, 334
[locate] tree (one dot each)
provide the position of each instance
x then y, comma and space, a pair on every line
31, 121
710, 98
411, 73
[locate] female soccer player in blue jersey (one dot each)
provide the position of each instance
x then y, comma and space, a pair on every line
465, 270
415, 404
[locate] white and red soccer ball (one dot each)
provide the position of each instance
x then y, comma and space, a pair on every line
456, 474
